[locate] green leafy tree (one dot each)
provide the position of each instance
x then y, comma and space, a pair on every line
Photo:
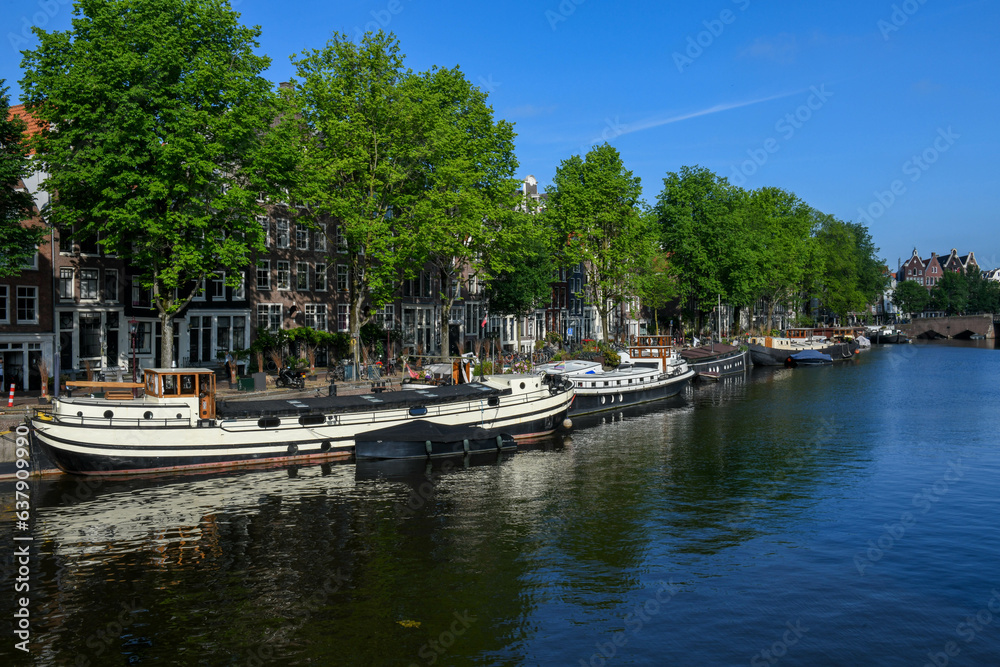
984, 295
466, 185
768, 252
849, 274
594, 204
18, 242
951, 293
693, 211
910, 297
358, 123
157, 120
524, 281
657, 284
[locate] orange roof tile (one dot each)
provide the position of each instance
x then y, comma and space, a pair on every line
34, 126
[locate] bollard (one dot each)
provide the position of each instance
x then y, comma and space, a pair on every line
10, 401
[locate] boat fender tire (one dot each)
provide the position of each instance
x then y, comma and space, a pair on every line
499, 442
427, 447
465, 445
293, 449
325, 447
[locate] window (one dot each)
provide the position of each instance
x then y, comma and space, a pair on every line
32, 264
266, 226
27, 305
319, 239
88, 283
263, 274
281, 237
240, 291
341, 317
199, 293
239, 332
321, 277
387, 315
342, 277
301, 237
222, 329
316, 316
341, 241
90, 335
111, 285
301, 276
141, 296
66, 279
284, 275
217, 288
269, 316
144, 337
4, 310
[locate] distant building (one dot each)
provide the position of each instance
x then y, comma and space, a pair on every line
928, 272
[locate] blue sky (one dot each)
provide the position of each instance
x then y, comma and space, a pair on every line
878, 111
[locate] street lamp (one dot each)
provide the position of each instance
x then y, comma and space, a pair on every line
132, 329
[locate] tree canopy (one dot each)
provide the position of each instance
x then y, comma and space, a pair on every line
465, 181
18, 242
594, 207
910, 297
157, 119
764, 245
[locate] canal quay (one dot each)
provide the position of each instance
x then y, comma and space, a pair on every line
838, 515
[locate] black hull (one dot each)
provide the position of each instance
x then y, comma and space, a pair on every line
893, 339
766, 356
416, 449
585, 404
733, 363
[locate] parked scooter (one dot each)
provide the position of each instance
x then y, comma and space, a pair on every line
289, 378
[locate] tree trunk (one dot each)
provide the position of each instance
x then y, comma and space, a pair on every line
446, 305
167, 339
605, 324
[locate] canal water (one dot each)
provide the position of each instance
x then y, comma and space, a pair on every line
845, 515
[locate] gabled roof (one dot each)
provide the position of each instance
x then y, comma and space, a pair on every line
34, 125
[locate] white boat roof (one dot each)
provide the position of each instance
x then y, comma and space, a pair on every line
178, 370
571, 366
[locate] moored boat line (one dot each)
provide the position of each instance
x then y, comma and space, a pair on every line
775, 350
178, 425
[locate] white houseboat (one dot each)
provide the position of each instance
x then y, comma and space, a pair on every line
178, 423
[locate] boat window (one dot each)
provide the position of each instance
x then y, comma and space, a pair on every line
187, 384
151, 384
169, 385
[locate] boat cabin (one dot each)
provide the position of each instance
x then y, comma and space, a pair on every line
164, 384
653, 352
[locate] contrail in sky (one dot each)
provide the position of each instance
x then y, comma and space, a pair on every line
649, 124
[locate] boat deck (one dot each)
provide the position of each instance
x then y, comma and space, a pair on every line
356, 403
706, 352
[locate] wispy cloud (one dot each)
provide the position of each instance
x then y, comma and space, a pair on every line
718, 108
926, 87
528, 110
781, 48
